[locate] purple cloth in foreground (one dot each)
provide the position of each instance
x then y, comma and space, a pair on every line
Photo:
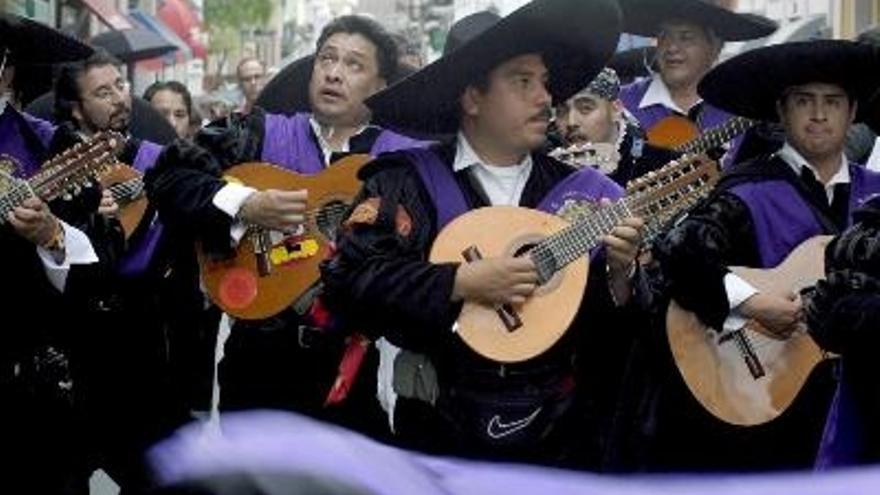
268, 441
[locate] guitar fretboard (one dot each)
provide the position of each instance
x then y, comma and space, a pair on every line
127, 191
717, 136
17, 191
657, 198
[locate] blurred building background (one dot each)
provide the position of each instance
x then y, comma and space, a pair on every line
213, 35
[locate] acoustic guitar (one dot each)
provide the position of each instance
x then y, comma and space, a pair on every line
126, 185
510, 333
63, 175
683, 136
748, 377
271, 269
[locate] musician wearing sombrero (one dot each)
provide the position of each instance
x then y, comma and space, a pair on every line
842, 312
762, 210
291, 360
690, 35
492, 92
51, 268
597, 131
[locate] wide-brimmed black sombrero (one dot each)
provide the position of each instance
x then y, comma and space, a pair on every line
646, 17
751, 83
30, 42
575, 38
288, 92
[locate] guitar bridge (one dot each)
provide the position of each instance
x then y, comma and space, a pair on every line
262, 244
509, 317
744, 346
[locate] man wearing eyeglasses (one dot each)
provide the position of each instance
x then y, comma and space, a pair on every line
150, 299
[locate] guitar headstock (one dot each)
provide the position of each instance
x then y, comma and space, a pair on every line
660, 196
601, 156
78, 165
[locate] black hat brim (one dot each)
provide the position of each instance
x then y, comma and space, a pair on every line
575, 37
34, 43
288, 91
646, 17
751, 83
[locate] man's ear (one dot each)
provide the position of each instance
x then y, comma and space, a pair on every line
77, 112
470, 101
780, 109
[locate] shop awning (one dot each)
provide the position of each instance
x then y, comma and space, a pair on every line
146, 20
179, 16
106, 11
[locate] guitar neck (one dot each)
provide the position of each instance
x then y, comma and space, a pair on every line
18, 191
572, 243
66, 173
717, 136
127, 191
658, 198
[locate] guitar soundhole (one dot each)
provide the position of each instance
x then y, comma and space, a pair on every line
524, 249
329, 216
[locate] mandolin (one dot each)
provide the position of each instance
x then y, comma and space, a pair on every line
269, 269
559, 250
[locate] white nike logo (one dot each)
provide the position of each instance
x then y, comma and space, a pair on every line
498, 429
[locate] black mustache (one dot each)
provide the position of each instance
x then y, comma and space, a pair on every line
544, 115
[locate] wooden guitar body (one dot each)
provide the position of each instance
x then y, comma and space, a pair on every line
714, 365
560, 252
672, 131
126, 185
270, 269
506, 230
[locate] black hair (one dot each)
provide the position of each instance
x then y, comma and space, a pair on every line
173, 86
386, 48
67, 92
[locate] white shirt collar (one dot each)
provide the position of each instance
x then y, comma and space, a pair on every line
658, 94
797, 162
465, 156
503, 185
326, 149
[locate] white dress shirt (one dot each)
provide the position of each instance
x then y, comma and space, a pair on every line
658, 94
502, 184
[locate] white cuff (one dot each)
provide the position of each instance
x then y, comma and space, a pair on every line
229, 200
78, 250
738, 290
